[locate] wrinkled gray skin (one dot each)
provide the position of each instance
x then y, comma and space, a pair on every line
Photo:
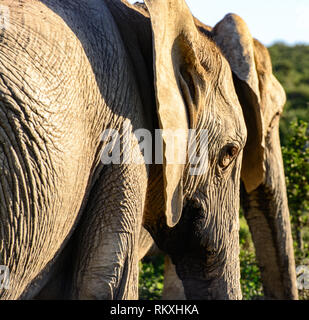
69, 70
263, 191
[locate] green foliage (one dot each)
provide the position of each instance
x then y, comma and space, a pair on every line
291, 67
250, 281
296, 159
151, 278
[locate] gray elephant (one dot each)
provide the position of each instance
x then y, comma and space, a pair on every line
70, 224
263, 184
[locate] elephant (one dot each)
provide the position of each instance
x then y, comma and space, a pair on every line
263, 190
70, 223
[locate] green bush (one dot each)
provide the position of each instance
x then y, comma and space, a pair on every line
151, 278
291, 67
296, 160
250, 281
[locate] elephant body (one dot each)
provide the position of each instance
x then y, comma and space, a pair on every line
71, 71
57, 97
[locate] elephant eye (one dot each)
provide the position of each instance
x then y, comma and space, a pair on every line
227, 155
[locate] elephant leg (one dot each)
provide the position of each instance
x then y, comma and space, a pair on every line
147, 246
108, 238
60, 278
173, 287
267, 213
273, 244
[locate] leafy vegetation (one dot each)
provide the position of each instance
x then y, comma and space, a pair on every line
296, 159
250, 281
291, 67
151, 278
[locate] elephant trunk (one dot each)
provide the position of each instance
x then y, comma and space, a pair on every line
214, 272
224, 287
111, 271
267, 213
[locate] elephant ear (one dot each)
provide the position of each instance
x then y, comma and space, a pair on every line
236, 43
177, 77
273, 97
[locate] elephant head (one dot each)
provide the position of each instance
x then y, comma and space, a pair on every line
194, 218
264, 192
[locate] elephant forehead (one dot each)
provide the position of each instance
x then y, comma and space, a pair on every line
229, 107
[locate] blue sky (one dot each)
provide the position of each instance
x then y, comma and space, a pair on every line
269, 20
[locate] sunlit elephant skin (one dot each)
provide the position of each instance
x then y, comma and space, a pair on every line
70, 225
263, 195
63, 81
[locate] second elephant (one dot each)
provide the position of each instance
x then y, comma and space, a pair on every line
263, 190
